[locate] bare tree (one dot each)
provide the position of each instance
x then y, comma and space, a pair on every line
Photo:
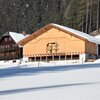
87, 15
98, 14
90, 18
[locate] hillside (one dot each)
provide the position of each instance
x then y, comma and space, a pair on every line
30, 15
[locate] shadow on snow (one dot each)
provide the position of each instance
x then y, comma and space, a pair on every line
15, 71
14, 91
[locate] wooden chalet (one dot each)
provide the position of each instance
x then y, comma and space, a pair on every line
9, 47
96, 34
57, 42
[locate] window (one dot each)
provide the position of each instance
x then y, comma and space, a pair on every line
9, 38
2, 54
7, 54
13, 53
75, 56
1, 46
8, 46
52, 47
5, 39
14, 45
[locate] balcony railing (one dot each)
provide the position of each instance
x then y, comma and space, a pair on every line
9, 57
8, 49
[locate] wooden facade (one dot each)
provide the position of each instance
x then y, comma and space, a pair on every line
9, 49
53, 43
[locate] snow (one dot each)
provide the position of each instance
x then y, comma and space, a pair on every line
27, 5
97, 61
64, 82
14, 4
79, 33
20, 63
98, 36
17, 36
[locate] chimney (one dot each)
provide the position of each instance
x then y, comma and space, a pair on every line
24, 33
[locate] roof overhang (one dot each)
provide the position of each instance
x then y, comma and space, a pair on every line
59, 27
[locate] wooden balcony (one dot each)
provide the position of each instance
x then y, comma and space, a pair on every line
8, 49
9, 57
11, 53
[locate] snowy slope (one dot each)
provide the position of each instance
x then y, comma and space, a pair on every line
72, 82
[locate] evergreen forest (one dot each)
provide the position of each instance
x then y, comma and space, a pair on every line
31, 15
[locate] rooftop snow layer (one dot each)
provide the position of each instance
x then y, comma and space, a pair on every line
79, 33
17, 36
98, 36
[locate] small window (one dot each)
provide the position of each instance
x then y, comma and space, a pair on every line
5, 39
8, 46
1, 46
75, 56
13, 45
9, 38
2, 54
52, 47
13, 53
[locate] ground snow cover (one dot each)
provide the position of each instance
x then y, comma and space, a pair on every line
63, 82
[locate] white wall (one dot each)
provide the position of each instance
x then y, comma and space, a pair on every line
83, 57
25, 59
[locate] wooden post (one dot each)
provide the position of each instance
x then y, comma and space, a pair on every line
46, 58
35, 58
59, 57
65, 57
53, 58
40, 58
71, 57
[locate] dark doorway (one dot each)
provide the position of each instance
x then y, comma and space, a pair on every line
44, 58
37, 58
98, 49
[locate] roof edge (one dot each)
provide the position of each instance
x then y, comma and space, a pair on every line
49, 26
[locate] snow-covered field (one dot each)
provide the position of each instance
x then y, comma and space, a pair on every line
66, 82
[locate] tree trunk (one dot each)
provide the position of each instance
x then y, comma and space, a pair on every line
98, 13
87, 15
90, 17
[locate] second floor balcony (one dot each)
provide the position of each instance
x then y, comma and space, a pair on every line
8, 48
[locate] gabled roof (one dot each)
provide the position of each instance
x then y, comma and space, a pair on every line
15, 36
62, 28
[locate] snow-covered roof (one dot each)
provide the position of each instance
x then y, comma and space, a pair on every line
97, 36
60, 27
17, 36
78, 33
